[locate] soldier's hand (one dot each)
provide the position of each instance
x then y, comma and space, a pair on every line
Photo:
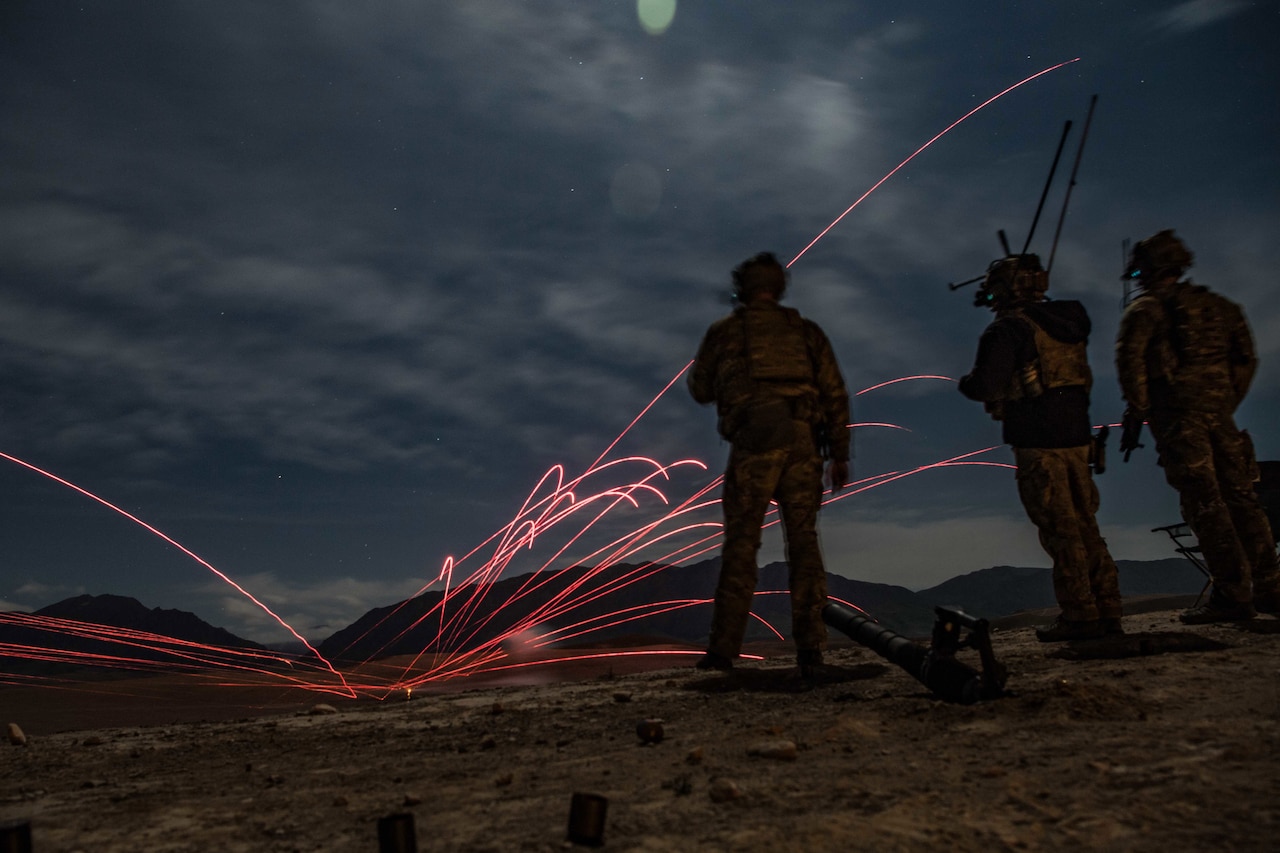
837, 474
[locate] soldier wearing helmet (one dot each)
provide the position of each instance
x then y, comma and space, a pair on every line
1012, 280
783, 407
1032, 373
1185, 359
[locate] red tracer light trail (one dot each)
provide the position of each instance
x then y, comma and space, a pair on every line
184, 550
941, 134
535, 518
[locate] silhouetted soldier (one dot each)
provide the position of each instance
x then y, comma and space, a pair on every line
783, 407
1185, 359
1032, 372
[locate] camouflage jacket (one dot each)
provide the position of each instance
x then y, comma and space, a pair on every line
764, 351
1184, 348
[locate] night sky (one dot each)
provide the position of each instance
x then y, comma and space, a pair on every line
321, 290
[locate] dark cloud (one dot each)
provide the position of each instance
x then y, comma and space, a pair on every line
1195, 14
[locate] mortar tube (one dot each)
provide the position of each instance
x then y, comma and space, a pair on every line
946, 677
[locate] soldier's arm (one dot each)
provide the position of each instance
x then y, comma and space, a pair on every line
994, 365
702, 374
1137, 327
833, 395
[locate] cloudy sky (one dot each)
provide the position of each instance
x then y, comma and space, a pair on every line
321, 290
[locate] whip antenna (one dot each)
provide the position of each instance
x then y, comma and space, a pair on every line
1084, 134
1052, 169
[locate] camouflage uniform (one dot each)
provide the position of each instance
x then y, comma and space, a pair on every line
1185, 359
1032, 371
1057, 490
778, 392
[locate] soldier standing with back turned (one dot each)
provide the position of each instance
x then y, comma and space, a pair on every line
1032, 372
783, 407
1185, 359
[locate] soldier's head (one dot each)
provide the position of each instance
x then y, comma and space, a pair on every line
1012, 280
1160, 259
759, 275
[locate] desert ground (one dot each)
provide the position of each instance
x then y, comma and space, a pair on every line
1167, 740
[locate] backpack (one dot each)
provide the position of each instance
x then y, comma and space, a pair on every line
1201, 327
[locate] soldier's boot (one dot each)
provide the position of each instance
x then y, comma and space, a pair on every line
1267, 602
714, 660
1218, 608
1063, 630
1266, 589
1110, 613
810, 661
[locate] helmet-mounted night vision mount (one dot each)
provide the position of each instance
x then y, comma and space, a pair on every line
1012, 279
1019, 275
1161, 254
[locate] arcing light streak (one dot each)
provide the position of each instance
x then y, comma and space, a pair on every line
468, 605
892, 475
184, 550
531, 527
643, 412
456, 626
474, 655
563, 495
941, 134
880, 385
115, 648
448, 668
485, 656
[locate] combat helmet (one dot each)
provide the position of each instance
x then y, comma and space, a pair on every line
760, 273
1010, 280
1162, 255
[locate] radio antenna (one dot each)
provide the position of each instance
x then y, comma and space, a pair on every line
1052, 169
1124, 264
1084, 134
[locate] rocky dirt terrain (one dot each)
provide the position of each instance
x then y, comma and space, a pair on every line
1167, 741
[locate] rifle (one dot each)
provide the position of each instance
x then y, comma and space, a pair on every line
935, 667
1130, 432
1099, 455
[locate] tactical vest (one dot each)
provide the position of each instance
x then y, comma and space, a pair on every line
767, 368
776, 347
1055, 364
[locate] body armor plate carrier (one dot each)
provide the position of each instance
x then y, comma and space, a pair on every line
1055, 365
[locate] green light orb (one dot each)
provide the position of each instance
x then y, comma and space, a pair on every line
655, 15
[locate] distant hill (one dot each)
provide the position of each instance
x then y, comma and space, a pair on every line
111, 611
405, 628
600, 601
122, 612
1003, 590
402, 629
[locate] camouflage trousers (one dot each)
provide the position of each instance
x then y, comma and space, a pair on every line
793, 477
1059, 495
1210, 462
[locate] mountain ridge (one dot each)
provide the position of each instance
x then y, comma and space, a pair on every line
674, 602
